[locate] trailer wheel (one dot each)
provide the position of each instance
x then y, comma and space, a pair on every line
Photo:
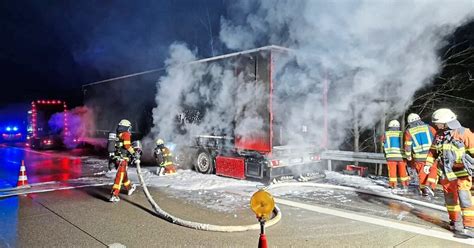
203, 162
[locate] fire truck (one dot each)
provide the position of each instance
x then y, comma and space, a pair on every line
47, 124
264, 153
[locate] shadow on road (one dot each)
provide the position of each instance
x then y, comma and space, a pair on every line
140, 206
399, 207
101, 193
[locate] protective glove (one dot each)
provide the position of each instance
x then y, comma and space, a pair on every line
136, 156
426, 169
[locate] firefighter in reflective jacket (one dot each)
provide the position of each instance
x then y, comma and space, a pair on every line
452, 148
392, 143
121, 157
418, 138
164, 159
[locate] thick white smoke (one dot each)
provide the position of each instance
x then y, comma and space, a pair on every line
205, 98
374, 55
80, 122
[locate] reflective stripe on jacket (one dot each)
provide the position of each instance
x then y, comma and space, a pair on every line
124, 147
392, 144
418, 141
167, 157
449, 148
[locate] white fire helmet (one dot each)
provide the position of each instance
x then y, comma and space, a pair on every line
443, 116
159, 142
413, 117
125, 123
394, 123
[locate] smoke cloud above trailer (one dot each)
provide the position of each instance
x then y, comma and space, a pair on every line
198, 93
373, 56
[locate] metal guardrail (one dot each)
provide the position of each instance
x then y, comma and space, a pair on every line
365, 157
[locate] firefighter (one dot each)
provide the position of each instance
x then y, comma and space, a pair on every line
392, 143
418, 138
121, 157
453, 147
164, 159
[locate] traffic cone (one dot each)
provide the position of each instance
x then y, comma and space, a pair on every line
22, 178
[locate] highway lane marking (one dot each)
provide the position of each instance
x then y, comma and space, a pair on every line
381, 222
116, 245
13, 162
44, 153
35, 191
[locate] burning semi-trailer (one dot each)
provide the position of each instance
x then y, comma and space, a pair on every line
255, 139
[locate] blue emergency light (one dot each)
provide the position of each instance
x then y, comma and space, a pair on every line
10, 128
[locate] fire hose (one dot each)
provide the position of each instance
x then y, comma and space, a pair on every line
363, 191
196, 225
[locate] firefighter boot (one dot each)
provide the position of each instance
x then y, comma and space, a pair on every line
470, 230
132, 189
467, 232
459, 230
160, 171
452, 224
114, 199
427, 191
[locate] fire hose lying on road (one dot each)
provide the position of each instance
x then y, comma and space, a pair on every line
196, 225
276, 212
363, 191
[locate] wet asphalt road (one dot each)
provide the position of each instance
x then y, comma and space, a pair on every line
41, 166
84, 218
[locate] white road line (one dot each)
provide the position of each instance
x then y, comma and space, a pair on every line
33, 191
377, 221
45, 153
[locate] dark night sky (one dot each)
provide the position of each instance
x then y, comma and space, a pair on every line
50, 48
